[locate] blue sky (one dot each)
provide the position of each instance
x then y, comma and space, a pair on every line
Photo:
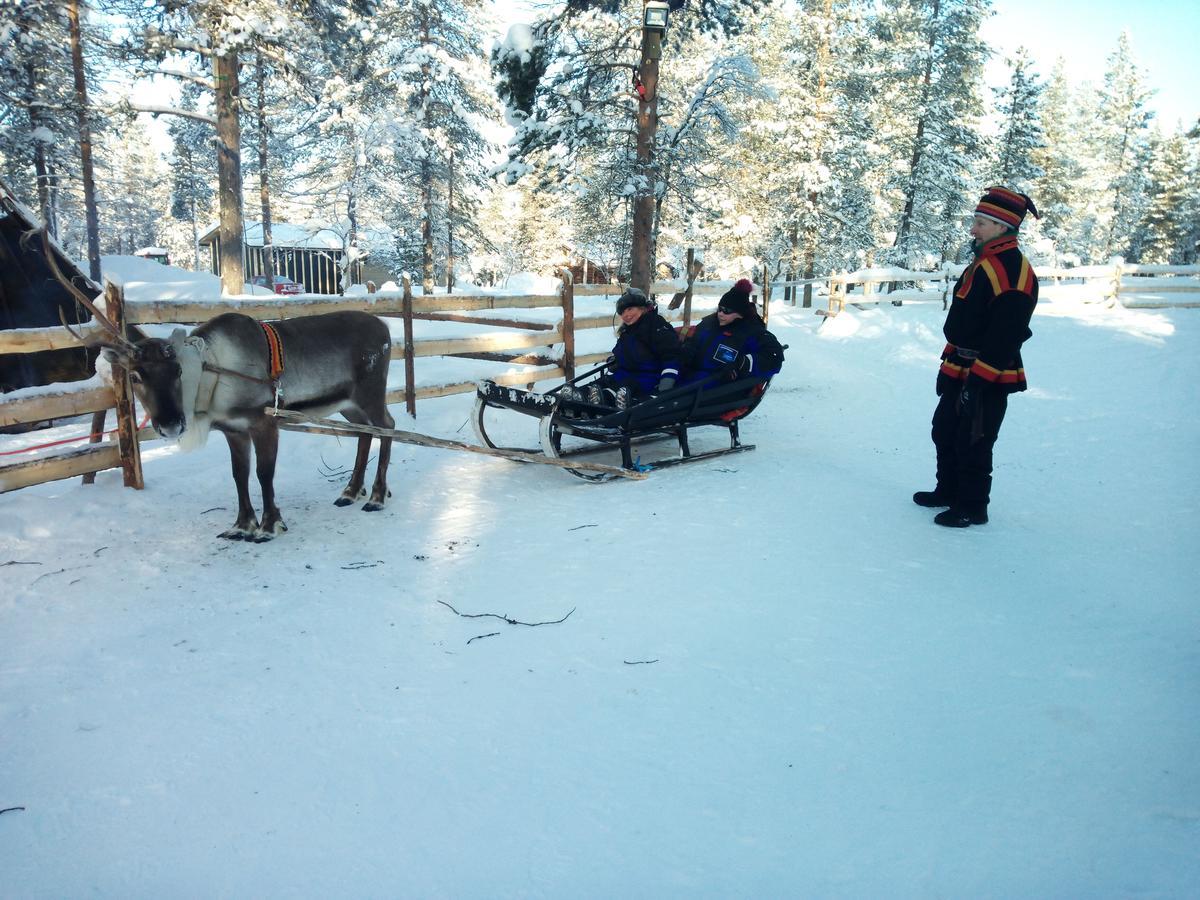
1164, 35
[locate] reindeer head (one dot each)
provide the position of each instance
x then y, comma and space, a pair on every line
155, 371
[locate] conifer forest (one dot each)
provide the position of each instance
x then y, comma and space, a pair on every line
810, 135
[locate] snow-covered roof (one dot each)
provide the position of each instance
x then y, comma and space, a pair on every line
305, 237
151, 251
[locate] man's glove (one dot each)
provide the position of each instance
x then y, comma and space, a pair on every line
665, 383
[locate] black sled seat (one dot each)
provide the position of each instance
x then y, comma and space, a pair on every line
712, 402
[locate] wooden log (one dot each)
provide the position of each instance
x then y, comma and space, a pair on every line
54, 337
131, 452
523, 359
38, 408
483, 320
80, 461
487, 343
390, 303
708, 289
1131, 286
296, 422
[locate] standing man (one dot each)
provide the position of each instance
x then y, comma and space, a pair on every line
987, 323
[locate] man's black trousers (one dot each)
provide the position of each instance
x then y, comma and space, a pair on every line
964, 446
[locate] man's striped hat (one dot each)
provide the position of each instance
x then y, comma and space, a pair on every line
1005, 206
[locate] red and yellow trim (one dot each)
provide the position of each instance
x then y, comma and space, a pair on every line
274, 350
993, 375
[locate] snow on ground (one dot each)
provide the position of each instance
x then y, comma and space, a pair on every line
777, 678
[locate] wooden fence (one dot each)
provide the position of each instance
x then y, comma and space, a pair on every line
1134, 286
530, 343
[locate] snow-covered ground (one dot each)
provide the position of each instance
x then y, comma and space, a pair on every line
777, 678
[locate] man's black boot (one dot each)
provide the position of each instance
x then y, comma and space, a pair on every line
932, 499
960, 517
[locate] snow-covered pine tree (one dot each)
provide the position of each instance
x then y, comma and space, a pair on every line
1125, 119
932, 98
193, 169
37, 120
134, 189
1170, 228
1060, 190
569, 82
1020, 136
184, 40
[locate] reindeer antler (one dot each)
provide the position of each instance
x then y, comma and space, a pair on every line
82, 299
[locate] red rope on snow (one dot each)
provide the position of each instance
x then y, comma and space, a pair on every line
71, 440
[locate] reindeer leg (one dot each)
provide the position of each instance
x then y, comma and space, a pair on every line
266, 450
239, 455
354, 487
379, 491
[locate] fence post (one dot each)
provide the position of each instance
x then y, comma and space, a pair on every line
567, 293
1114, 288
410, 368
127, 427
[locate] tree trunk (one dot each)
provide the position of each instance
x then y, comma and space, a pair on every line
41, 168
919, 141
450, 229
229, 172
195, 237
426, 178
264, 191
85, 144
641, 263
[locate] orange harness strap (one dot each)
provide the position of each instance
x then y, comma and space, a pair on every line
275, 350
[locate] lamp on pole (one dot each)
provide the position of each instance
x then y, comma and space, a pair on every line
641, 264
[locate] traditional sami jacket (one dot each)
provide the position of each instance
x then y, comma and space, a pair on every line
989, 318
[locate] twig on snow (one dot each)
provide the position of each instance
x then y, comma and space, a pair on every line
364, 564
577, 527
12, 809
479, 636
98, 551
57, 572
639, 662
19, 562
504, 618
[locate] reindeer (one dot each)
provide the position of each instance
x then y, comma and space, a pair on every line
230, 369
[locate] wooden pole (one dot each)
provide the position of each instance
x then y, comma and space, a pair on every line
410, 373
127, 440
567, 291
691, 279
294, 421
766, 293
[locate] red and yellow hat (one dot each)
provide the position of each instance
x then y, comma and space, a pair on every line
1005, 206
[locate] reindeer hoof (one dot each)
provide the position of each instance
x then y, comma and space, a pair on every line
372, 507
343, 501
235, 534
